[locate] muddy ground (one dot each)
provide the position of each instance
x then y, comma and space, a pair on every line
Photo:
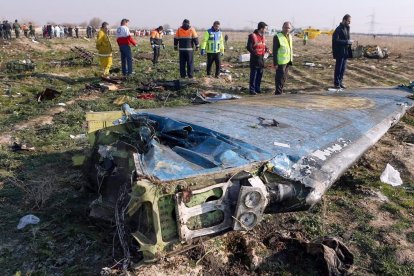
374, 220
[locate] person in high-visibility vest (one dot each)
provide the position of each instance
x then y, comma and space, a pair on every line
305, 38
282, 56
104, 47
156, 42
213, 44
185, 40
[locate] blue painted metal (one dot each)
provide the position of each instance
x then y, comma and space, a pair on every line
318, 135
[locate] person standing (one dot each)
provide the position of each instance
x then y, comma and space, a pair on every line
25, 30
125, 40
77, 31
185, 40
282, 56
32, 31
16, 28
7, 30
305, 38
213, 44
341, 49
156, 42
57, 31
256, 45
103, 44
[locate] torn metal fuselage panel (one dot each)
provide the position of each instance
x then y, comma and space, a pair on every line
202, 170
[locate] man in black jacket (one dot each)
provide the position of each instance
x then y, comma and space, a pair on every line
341, 48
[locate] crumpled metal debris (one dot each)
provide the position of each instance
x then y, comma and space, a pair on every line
26, 220
20, 65
161, 85
334, 257
21, 147
329, 254
48, 94
409, 86
211, 97
83, 54
375, 51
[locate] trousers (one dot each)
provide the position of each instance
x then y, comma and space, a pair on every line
282, 73
186, 62
213, 58
126, 59
340, 67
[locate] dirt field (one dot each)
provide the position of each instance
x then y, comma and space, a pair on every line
374, 220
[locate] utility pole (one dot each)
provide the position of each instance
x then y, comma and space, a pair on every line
372, 23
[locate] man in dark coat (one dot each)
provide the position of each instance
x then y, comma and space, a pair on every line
341, 48
7, 30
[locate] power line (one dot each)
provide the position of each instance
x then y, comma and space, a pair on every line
372, 23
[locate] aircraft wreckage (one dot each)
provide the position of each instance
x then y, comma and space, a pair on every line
170, 175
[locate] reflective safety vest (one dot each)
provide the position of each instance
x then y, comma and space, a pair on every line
285, 52
213, 41
186, 39
259, 44
156, 37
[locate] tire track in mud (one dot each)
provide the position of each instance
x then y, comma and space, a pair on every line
388, 74
306, 77
367, 76
359, 80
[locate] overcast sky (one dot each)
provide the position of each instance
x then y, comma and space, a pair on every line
394, 16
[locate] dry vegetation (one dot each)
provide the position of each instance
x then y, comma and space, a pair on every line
373, 219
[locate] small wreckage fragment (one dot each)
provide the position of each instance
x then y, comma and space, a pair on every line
161, 85
20, 66
370, 51
211, 97
48, 94
187, 172
80, 53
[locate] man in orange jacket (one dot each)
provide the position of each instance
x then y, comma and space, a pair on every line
124, 39
185, 39
156, 42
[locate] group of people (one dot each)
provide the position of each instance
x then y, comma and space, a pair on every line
6, 29
186, 41
59, 31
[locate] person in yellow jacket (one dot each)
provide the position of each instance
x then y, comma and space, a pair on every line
213, 44
103, 44
282, 56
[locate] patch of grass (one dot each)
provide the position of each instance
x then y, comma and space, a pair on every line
408, 119
391, 208
410, 237
399, 195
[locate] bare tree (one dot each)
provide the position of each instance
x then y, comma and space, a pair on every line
166, 26
95, 22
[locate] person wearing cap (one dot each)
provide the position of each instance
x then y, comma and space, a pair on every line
282, 56
185, 40
156, 42
125, 40
103, 44
256, 45
213, 44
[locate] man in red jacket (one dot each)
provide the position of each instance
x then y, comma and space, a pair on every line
256, 45
124, 39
